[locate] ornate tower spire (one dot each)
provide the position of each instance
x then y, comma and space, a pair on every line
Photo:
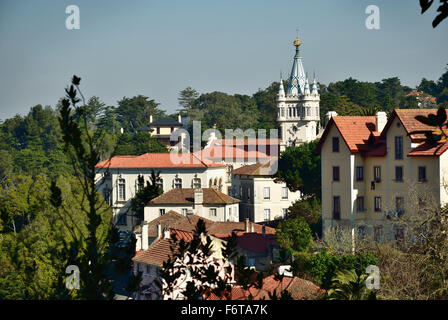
281, 90
297, 77
307, 87
314, 87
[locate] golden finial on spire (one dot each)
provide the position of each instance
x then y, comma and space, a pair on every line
297, 42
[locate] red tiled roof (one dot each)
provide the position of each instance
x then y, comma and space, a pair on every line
407, 119
166, 220
355, 131
190, 222
220, 153
424, 149
186, 196
299, 289
225, 229
158, 252
257, 169
158, 160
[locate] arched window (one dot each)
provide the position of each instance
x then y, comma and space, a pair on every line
159, 183
210, 183
220, 184
215, 182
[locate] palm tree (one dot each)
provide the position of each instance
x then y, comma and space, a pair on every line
349, 285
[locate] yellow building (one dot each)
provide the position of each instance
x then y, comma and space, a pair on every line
374, 168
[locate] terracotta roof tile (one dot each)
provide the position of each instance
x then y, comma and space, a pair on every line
299, 289
169, 219
424, 149
158, 252
257, 169
225, 229
158, 160
186, 196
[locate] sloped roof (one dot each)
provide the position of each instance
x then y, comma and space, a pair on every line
257, 169
168, 219
225, 152
186, 196
165, 122
424, 149
158, 160
300, 289
225, 229
355, 131
407, 119
158, 252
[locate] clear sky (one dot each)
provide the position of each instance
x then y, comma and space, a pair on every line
157, 48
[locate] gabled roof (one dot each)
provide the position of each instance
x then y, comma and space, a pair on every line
168, 219
186, 196
158, 160
355, 131
299, 289
225, 229
157, 254
409, 123
257, 169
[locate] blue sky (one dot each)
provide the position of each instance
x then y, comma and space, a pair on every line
157, 48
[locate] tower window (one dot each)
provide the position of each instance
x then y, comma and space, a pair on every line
335, 144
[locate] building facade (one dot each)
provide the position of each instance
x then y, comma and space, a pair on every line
208, 203
298, 108
117, 178
376, 170
262, 199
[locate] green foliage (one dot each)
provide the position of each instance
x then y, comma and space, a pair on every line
138, 144
145, 193
310, 210
134, 113
350, 285
299, 168
294, 235
322, 266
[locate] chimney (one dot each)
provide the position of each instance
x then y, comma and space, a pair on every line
166, 233
381, 119
179, 118
246, 224
198, 196
145, 235
150, 118
159, 230
251, 227
329, 115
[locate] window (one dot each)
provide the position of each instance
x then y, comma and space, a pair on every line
335, 144
399, 204
335, 173
248, 193
267, 214
177, 183
359, 173
162, 212
266, 193
158, 130
377, 203
184, 211
121, 189
196, 183
213, 212
378, 233
399, 148
399, 233
337, 207
284, 192
398, 174
159, 183
230, 214
377, 173
284, 212
172, 129
360, 204
361, 231
422, 174
107, 196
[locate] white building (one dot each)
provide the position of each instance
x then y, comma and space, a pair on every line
298, 109
208, 203
117, 178
262, 199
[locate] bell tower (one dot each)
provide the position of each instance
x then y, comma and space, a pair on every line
298, 108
